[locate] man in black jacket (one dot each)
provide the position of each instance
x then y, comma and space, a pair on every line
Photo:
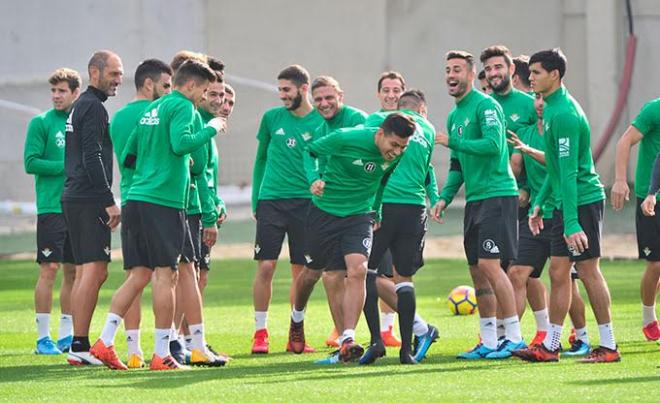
87, 201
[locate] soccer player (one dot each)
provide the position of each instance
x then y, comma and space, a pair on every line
480, 159
402, 231
572, 179
391, 85
280, 195
44, 158
484, 85
153, 79
520, 78
229, 102
649, 203
645, 131
339, 222
87, 202
160, 148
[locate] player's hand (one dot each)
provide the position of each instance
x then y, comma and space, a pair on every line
376, 226
219, 124
209, 236
523, 198
221, 218
114, 216
536, 221
317, 187
577, 241
438, 212
620, 194
442, 139
514, 140
648, 206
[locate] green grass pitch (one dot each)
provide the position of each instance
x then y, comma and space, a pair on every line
286, 377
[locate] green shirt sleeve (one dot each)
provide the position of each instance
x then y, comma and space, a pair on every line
647, 120
35, 145
378, 199
182, 139
491, 124
317, 150
263, 136
432, 186
568, 137
454, 180
198, 173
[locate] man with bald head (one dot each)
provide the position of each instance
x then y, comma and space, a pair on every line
87, 201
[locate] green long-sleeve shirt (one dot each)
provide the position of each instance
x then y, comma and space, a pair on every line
43, 157
648, 124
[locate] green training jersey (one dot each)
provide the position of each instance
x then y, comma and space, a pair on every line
476, 131
414, 179
121, 126
161, 146
212, 166
346, 117
43, 157
535, 171
571, 175
648, 123
354, 172
278, 167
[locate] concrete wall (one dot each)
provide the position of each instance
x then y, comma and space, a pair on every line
353, 41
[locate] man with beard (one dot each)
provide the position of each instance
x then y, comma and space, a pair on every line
479, 158
280, 195
153, 79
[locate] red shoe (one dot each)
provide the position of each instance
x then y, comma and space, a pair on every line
331, 341
537, 353
538, 337
652, 331
307, 349
602, 354
572, 338
107, 355
389, 339
350, 351
165, 364
260, 342
296, 342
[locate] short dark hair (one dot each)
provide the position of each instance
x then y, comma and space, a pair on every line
219, 77
71, 77
495, 51
522, 69
150, 68
325, 81
229, 89
391, 75
398, 124
551, 59
412, 99
184, 55
100, 59
193, 70
295, 73
481, 75
215, 64
461, 54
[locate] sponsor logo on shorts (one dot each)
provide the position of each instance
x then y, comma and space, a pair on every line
564, 147
59, 139
279, 132
369, 167
490, 246
646, 251
47, 252
107, 250
366, 242
150, 118
257, 248
291, 142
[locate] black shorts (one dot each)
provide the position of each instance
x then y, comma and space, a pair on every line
154, 235
330, 238
53, 245
192, 246
402, 231
490, 229
590, 217
533, 250
275, 218
205, 258
385, 266
648, 233
88, 233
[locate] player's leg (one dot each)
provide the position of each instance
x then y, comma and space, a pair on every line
579, 337
332, 289
132, 320
649, 291
356, 276
65, 335
387, 314
43, 296
163, 296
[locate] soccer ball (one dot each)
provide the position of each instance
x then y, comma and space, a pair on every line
462, 301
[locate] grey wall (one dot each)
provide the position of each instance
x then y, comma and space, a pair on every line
352, 40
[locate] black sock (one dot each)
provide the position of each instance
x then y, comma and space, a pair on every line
80, 344
406, 306
371, 314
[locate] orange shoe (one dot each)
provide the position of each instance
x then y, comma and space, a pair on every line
107, 355
260, 342
331, 341
572, 337
538, 338
307, 349
602, 354
389, 339
652, 331
537, 353
296, 342
165, 364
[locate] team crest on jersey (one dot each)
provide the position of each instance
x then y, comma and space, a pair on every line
150, 118
107, 250
369, 167
384, 166
59, 139
646, 251
466, 122
291, 142
47, 252
514, 117
308, 259
306, 136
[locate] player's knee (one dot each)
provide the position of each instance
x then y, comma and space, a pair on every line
48, 272
653, 267
266, 269
518, 277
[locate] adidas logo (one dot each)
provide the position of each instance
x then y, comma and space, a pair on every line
495, 249
150, 118
358, 162
198, 332
279, 132
47, 252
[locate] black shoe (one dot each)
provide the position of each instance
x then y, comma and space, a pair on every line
178, 352
374, 352
406, 358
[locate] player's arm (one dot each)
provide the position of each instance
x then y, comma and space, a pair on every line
378, 199
182, 138
492, 127
454, 180
35, 145
199, 176
568, 137
93, 126
620, 191
263, 137
431, 186
318, 149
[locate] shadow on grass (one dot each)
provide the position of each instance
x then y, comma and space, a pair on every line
614, 381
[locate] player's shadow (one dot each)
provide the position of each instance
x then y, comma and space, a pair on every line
614, 381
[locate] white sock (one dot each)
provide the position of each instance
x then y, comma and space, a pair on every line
348, 334
260, 320
188, 340
581, 334
512, 328
43, 325
297, 316
66, 326
162, 342
553, 338
500, 328
197, 334
542, 320
648, 314
174, 334
133, 342
387, 321
606, 333
488, 330
420, 327
110, 329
